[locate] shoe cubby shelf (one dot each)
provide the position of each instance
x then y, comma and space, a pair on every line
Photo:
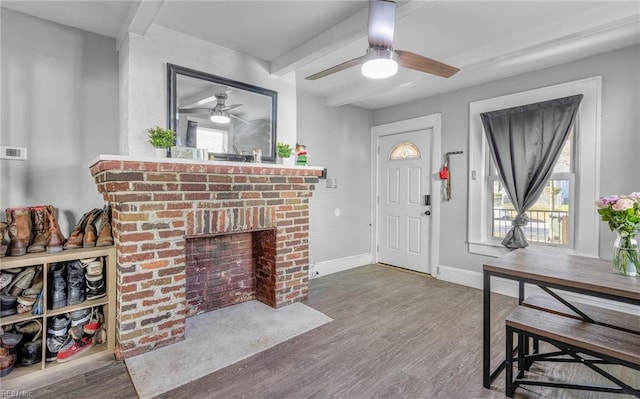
107, 303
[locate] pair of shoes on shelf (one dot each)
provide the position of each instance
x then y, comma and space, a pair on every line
67, 284
46, 234
85, 234
31, 297
21, 282
77, 340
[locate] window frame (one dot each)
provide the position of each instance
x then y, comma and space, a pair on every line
584, 234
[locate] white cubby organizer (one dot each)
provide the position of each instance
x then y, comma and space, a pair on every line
108, 254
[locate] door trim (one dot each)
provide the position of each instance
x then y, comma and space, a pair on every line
433, 122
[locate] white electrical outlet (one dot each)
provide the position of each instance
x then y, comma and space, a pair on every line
16, 153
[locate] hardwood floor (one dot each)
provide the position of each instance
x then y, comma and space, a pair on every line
394, 335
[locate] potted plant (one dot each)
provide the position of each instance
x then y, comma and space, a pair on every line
284, 154
161, 139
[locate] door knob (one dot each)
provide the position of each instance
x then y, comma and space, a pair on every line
427, 213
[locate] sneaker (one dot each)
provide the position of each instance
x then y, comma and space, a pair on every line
57, 336
95, 286
54, 344
73, 349
93, 325
93, 266
80, 317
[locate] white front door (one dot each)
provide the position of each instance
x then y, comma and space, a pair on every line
404, 196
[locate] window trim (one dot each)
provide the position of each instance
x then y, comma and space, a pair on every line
585, 232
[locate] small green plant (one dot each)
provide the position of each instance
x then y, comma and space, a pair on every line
161, 138
284, 150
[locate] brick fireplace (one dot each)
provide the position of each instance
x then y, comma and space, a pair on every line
233, 231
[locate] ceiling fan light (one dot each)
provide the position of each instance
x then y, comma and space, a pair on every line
379, 69
220, 117
380, 63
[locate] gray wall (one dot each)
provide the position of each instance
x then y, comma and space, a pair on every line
620, 136
340, 140
60, 100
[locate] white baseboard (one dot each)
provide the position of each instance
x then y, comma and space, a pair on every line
323, 268
510, 288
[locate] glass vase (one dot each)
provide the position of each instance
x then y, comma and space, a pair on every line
626, 253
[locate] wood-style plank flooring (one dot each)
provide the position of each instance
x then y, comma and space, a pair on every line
395, 334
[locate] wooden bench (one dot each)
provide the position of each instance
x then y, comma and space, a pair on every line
603, 316
572, 337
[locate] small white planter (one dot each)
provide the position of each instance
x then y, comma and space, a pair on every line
160, 152
287, 161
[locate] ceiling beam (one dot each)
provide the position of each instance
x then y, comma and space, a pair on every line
345, 32
138, 19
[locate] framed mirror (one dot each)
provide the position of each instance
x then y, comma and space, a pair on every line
224, 117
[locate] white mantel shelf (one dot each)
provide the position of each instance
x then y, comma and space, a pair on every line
103, 157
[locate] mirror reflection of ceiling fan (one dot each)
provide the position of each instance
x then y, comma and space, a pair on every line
381, 60
218, 114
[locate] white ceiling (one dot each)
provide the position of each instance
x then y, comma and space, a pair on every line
487, 40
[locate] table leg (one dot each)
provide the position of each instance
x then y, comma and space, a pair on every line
486, 331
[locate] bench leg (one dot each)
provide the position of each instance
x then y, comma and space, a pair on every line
523, 350
508, 357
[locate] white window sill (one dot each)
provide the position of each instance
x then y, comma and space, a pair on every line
488, 248
495, 249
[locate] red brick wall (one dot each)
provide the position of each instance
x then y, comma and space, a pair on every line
158, 206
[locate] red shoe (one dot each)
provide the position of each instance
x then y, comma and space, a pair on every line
73, 349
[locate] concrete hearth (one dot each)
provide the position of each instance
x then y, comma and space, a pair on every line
160, 203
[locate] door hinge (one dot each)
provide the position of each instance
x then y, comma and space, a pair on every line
378, 150
377, 247
377, 199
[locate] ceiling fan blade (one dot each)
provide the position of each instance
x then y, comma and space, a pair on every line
240, 119
230, 107
411, 60
382, 17
202, 111
336, 68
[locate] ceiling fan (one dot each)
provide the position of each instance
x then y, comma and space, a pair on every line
381, 60
219, 113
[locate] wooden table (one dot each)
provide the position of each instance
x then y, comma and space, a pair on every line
549, 269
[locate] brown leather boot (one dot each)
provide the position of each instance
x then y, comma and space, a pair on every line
19, 230
40, 228
3, 233
90, 231
75, 239
56, 238
105, 238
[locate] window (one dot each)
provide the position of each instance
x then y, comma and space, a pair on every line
404, 150
214, 140
550, 218
564, 215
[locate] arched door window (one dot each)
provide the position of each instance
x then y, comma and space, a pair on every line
404, 151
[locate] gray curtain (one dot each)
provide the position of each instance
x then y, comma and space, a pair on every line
525, 143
